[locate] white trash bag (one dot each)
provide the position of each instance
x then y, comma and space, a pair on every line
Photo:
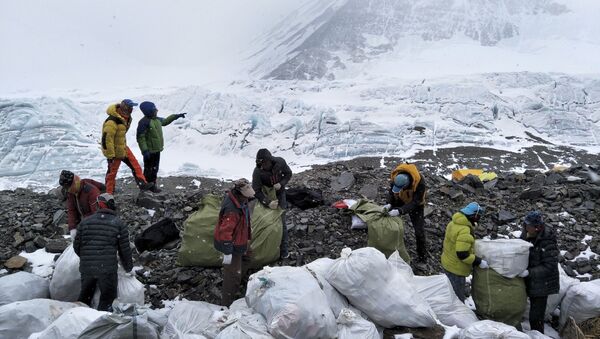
252, 326
352, 326
399, 264
292, 302
488, 329
22, 286
357, 223
382, 292
129, 290
508, 257
554, 300
66, 280
581, 301
336, 300
22, 318
117, 326
438, 292
70, 324
195, 319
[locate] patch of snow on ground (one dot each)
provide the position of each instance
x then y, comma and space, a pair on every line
42, 262
196, 183
150, 211
516, 234
588, 254
179, 187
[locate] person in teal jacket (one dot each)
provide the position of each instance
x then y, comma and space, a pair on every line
150, 139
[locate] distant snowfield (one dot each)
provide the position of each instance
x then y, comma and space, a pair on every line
306, 122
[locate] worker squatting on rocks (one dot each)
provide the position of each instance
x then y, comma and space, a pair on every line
81, 197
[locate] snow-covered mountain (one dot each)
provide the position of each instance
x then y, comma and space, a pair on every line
336, 38
306, 122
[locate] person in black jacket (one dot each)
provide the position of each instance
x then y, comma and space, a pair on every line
98, 240
406, 195
541, 275
274, 172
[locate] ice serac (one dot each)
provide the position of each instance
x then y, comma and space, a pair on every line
324, 37
39, 137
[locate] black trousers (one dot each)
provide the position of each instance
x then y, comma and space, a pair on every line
537, 309
283, 246
417, 218
151, 165
232, 278
107, 283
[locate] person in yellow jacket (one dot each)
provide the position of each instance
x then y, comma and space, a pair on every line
458, 258
406, 195
114, 144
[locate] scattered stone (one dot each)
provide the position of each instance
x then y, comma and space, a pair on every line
15, 262
60, 217
369, 192
30, 247
343, 182
40, 242
531, 194
187, 209
504, 217
147, 201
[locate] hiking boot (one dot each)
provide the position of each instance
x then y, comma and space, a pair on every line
146, 186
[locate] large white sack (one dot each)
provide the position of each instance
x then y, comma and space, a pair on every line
194, 319
438, 292
352, 326
129, 290
22, 318
382, 292
488, 329
119, 326
292, 302
554, 300
321, 268
253, 326
400, 265
508, 257
66, 279
22, 286
581, 301
70, 324
536, 335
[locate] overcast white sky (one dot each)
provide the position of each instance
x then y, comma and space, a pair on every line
95, 44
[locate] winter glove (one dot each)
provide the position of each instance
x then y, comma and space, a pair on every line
277, 186
227, 259
273, 204
483, 264
394, 213
524, 274
146, 154
73, 233
387, 207
181, 115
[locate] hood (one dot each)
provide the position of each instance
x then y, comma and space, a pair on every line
112, 111
461, 219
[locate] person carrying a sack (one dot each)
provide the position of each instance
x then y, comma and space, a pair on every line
458, 253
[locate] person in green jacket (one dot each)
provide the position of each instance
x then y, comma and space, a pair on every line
458, 258
150, 139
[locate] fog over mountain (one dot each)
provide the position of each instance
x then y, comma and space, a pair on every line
313, 80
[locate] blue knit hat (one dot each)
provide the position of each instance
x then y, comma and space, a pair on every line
473, 208
534, 218
147, 108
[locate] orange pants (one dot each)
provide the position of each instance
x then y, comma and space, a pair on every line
113, 168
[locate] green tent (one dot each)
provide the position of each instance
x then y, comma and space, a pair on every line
385, 233
498, 298
197, 246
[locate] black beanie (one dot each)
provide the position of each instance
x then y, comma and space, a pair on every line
263, 154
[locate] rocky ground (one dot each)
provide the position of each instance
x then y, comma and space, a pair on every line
570, 200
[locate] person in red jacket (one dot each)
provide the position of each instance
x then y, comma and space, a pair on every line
231, 236
81, 197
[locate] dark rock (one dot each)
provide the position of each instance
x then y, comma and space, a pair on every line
18, 239
147, 201
569, 271
554, 178
30, 247
504, 217
56, 245
488, 185
40, 242
369, 192
584, 269
531, 194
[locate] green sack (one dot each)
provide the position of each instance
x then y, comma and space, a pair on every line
498, 298
197, 245
385, 233
266, 235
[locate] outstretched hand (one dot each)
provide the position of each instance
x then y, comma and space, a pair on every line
181, 115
